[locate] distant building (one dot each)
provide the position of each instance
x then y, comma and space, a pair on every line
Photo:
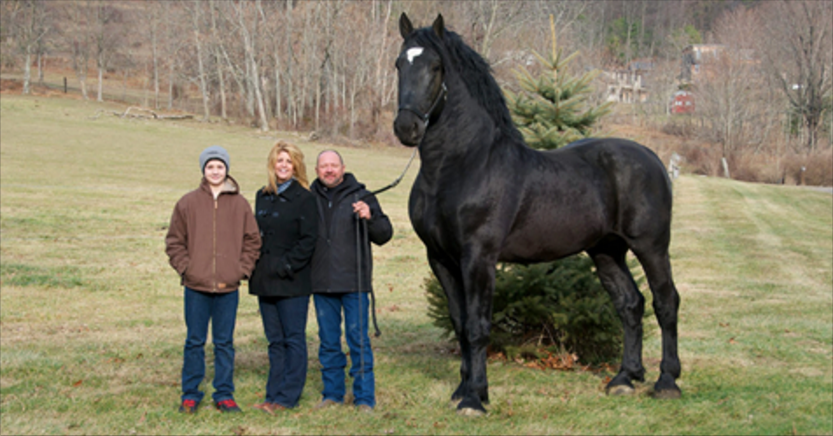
682, 102
700, 62
696, 59
628, 85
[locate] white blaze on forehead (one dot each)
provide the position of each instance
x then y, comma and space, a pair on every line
412, 53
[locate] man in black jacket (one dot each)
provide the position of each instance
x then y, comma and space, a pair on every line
348, 222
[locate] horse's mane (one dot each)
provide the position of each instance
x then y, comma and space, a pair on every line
475, 72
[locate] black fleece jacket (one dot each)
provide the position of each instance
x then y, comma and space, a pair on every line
334, 263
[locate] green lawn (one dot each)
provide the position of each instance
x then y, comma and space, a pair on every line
91, 325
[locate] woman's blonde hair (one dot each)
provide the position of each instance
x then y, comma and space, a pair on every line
298, 166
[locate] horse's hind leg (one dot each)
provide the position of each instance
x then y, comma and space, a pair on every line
616, 278
657, 269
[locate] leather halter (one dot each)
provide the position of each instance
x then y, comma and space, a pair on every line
427, 115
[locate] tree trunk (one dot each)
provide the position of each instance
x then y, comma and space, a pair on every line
27, 71
641, 30
170, 85
220, 73
381, 74
171, 62
264, 123
486, 45
278, 105
290, 89
83, 81
154, 60
352, 113
200, 66
249, 87
41, 63
99, 64
254, 76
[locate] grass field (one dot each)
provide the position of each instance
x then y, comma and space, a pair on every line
91, 325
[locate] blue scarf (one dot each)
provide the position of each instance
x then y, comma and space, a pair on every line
284, 186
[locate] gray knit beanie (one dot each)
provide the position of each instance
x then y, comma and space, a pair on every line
214, 152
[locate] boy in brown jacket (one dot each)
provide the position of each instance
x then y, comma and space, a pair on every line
212, 243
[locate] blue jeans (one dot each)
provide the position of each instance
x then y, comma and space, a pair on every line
328, 309
221, 310
285, 325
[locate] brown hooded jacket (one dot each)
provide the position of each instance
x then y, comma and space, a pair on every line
213, 243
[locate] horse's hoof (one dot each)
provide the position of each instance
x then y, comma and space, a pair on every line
470, 407
467, 411
620, 390
666, 389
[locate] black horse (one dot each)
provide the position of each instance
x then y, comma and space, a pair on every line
483, 196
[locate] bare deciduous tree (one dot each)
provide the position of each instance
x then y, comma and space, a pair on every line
248, 18
729, 95
799, 56
78, 39
196, 28
28, 24
153, 18
107, 37
216, 50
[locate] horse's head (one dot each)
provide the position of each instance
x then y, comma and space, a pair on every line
422, 90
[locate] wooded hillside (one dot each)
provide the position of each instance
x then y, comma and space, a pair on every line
763, 102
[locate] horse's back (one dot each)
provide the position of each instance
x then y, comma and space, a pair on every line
637, 180
628, 165
588, 190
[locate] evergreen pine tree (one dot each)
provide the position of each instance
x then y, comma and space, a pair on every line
551, 110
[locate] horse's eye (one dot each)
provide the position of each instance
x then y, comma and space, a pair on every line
436, 68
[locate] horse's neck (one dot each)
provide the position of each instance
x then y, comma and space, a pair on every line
461, 140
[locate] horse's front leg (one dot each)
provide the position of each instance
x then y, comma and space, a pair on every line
451, 283
478, 272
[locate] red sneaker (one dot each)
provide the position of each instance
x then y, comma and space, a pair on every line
227, 406
188, 406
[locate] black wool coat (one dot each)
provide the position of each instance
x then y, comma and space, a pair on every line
288, 224
334, 264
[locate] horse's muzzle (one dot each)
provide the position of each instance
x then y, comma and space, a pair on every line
409, 128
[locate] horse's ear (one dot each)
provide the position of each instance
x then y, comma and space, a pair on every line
439, 26
405, 26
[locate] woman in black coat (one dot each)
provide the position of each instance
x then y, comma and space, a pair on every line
287, 216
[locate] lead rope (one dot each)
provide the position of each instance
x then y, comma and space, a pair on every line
361, 228
363, 224
359, 290
377, 333
395, 182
